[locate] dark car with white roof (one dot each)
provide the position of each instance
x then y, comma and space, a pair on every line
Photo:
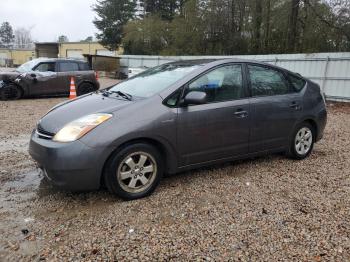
47, 77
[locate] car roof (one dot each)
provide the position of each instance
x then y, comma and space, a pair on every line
45, 59
193, 62
220, 61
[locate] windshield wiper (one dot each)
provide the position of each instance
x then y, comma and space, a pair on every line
119, 93
123, 94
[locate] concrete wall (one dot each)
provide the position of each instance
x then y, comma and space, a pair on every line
15, 57
77, 49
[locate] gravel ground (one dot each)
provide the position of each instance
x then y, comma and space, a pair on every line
269, 208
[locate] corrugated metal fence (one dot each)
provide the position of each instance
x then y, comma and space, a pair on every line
330, 70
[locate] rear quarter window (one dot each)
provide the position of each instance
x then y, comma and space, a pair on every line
84, 67
297, 82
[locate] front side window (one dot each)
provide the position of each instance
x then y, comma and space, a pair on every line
28, 66
221, 84
46, 67
267, 82
68, 67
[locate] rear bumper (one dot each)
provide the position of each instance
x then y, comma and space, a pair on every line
321, 123
97, 85
70, 166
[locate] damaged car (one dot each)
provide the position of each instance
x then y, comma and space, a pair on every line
47, 77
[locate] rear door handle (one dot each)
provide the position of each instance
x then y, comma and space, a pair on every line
241, 113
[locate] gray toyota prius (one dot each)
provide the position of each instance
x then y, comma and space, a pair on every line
176, 117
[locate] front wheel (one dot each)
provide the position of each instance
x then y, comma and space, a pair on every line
11, 92
85, 88
134, 172
302, 141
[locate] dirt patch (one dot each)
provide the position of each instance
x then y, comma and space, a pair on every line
268, 208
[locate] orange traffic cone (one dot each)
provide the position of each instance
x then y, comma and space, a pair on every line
73, 91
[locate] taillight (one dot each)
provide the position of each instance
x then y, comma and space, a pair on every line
96, 75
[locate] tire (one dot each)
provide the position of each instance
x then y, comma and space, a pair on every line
11, 92
85, 88
134, 172
302, 142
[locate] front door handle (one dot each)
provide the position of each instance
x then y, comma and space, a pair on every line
241, 113
295, 105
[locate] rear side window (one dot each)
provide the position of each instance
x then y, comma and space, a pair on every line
297, 82
68, 67
266, 81
84, 67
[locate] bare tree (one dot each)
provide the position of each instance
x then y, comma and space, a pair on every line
341, 16
23, 37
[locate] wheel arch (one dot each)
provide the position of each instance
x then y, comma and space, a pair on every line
23, 90
309, 120
88, 82
165, 150
313, 123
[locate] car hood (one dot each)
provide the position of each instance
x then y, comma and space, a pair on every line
66, 112
8, 75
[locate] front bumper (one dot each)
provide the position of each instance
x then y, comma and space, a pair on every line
70, 166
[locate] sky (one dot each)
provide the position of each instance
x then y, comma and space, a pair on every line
51, 18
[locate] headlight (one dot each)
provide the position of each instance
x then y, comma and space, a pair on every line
78, 128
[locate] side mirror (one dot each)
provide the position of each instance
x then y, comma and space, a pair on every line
32, 75
195, 98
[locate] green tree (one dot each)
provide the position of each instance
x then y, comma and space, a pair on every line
88, 39
6, 34
112, 16
63, 38
166, 9
229, 27
148, 36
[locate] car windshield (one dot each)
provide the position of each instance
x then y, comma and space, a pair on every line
154, 80
27, 67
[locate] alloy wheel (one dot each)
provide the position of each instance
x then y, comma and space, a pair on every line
137, 172
303, 141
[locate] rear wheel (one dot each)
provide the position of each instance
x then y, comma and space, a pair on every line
85, 88
302, 141
134, 172
11, 92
